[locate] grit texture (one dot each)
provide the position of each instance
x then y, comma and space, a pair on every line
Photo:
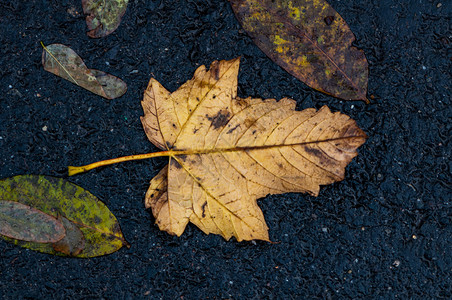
385, 232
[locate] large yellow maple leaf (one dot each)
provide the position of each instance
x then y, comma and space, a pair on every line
225, 152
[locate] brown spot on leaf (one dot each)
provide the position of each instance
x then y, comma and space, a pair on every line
110, 237
313, 151
328, 20
203, 207
216, 71
249, 122
175, 164
220, 119
323, 159
241, 102
232, 129
116, 229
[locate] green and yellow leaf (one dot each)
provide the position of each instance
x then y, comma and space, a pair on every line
90, 229
103, 16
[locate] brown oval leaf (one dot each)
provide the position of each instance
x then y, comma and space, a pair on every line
23, 222
226, 152
310, 40
64, 62
103, 16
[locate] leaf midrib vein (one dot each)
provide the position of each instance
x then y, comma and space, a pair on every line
175, 153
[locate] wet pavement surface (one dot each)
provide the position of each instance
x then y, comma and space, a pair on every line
384, 232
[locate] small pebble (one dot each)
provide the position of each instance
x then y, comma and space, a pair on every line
44, 128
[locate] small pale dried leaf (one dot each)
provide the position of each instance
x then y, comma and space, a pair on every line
23, 222
64, 62
227, 152
103, 16
310, 40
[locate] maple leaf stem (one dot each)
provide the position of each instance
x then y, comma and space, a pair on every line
81, 169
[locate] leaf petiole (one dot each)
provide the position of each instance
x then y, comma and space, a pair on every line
81, 169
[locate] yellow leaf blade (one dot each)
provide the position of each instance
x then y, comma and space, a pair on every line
229, 151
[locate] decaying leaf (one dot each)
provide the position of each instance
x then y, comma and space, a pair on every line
310, 40
103, 16
225, 152
64, 62
23, 222
73, 242
90, 229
